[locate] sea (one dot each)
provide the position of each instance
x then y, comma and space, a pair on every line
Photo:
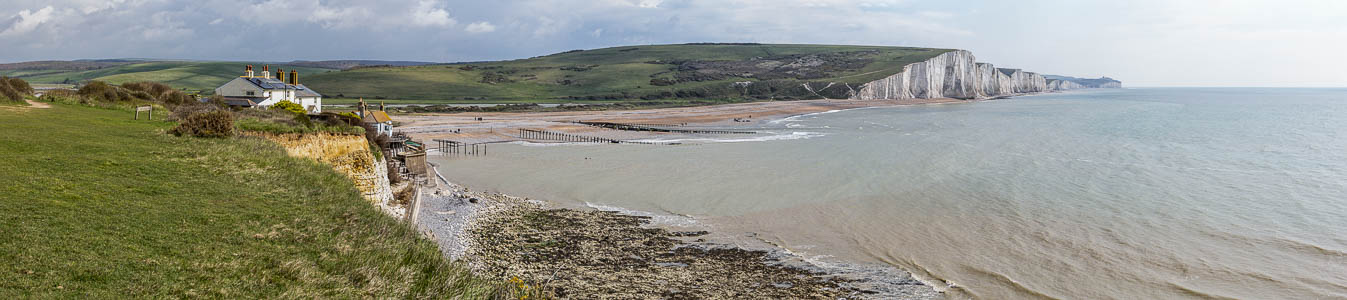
1137, 193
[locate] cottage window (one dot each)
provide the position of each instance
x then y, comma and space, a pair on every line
249, 93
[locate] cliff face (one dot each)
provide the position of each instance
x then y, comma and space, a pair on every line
1062, 85
949, 75
349, 155
957, 74
992, 82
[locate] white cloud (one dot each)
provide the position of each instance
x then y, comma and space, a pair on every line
28, 20
649, 3
480, 27
427, 14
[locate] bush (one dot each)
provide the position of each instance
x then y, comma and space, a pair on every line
181, 112
8, 92
208, 124
290, 107
19, 85
14, 89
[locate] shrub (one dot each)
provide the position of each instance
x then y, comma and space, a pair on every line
181, 112
208, 124
14, 89
101, 91
290, 107
8, 92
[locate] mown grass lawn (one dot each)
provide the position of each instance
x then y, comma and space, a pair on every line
96, 205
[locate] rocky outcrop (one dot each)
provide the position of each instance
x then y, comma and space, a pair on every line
957, 74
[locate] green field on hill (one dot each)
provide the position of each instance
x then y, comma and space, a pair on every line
689, 71
193, 76
95, 205
721, 72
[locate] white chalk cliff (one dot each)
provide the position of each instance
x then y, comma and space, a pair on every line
957, 74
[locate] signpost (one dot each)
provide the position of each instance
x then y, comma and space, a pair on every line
149, 112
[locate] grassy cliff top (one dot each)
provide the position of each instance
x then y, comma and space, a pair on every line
97, 205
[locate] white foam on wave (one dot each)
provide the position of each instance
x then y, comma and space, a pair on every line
656, 219
558, 144
797, 117
775, 137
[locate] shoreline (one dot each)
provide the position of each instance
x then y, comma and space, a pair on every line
454, 216
506, 236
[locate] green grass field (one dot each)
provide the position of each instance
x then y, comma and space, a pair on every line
96, 205
611, 71
194, 76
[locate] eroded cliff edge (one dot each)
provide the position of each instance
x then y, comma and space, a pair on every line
957, 74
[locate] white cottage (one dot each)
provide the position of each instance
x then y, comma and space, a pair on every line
264, 90
378, 120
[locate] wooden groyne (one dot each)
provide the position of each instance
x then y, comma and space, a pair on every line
536, 134
634, 127
448, 147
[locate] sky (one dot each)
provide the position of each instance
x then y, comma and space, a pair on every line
1262, 43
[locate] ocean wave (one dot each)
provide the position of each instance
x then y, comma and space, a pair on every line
776, 137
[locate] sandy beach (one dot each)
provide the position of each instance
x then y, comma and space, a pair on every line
503, 127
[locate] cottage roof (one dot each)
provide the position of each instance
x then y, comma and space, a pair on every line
267, 83
303, 91
377, 116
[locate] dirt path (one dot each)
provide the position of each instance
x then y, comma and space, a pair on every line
35, 104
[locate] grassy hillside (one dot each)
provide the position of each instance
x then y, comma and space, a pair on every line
96, 205
689, 71
195, 76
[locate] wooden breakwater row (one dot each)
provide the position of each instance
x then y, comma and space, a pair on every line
448, 147
634, 127
535, 134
